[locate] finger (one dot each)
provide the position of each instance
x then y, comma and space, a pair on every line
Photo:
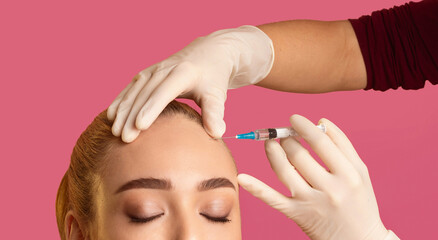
130, 131
322, 145
310, 169
112, 109
126, 104
265, 193
213, 108
343, 143
162, 95
284, 170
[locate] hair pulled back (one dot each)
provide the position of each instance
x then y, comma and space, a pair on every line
77, 187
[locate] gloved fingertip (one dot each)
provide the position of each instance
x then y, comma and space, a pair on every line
240, 176
271, 143
323, 120
216, 129
129, 136
273, 147
244, 180
110, 115
116, 130
328, 124
142, 122
295, 117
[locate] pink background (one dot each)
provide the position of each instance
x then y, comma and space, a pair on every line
62, 62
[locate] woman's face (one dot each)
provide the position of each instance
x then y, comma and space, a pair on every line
173, 182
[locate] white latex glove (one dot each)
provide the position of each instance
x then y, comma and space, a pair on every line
202, 71
336, 204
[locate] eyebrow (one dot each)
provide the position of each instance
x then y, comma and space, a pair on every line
214, 183
148, 183
164, 184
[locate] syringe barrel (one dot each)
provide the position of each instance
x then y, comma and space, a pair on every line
261, 134
272, 133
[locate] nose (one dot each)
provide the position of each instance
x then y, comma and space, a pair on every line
188, 230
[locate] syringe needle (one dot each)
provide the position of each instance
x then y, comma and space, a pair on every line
223, 138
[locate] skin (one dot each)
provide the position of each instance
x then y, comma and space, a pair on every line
310, 57
180, 151
314, 57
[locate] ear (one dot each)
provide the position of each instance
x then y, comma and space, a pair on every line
72, 228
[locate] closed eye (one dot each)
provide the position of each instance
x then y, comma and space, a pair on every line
216, 219
135, 219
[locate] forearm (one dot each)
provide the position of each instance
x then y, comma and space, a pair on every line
314, 56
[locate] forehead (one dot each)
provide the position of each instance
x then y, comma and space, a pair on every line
174, 148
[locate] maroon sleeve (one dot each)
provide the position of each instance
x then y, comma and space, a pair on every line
400, 45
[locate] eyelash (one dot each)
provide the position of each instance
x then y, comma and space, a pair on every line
150, 219
144, 220
216, 219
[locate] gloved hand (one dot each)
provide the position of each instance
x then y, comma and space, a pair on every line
336, 204
202, 71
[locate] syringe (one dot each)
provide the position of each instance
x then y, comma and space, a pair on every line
271, 133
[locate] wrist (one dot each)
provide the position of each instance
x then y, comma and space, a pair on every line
378, 232
255, 56
391, 236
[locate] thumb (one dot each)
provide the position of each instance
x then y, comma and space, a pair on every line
213, 115
265, 193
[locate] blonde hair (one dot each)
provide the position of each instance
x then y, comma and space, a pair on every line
87, 159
